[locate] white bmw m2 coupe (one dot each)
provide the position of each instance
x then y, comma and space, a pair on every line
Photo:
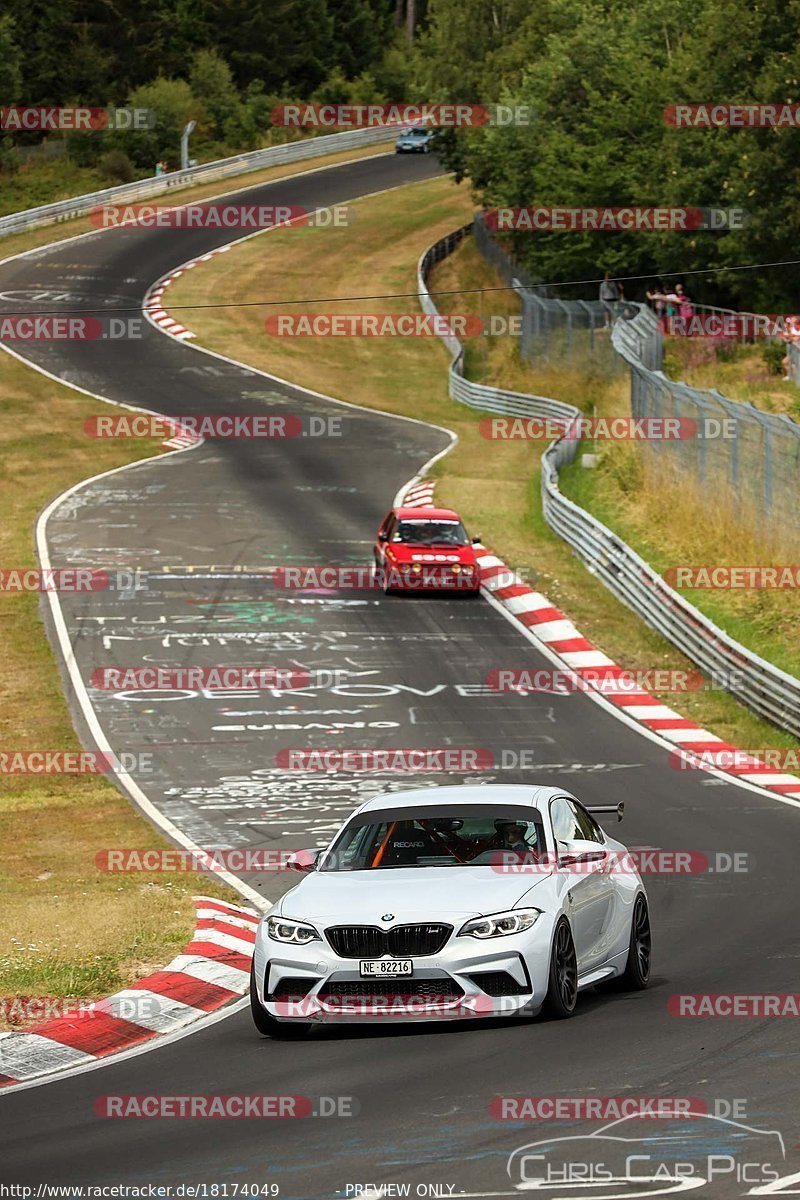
452, 902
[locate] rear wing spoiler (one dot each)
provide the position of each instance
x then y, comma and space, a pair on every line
601, 809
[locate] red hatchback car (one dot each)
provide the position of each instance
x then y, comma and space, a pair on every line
425, 548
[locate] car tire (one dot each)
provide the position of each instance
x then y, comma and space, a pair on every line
269, 1026
636, 975
562, 979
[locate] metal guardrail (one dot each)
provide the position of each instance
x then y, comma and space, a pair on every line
479, 395
762, 687
222, 168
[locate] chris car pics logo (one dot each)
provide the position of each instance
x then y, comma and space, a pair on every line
627, 1159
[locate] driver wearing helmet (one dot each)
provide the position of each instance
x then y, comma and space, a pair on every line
510, 835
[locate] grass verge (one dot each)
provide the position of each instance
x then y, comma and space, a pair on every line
494, 484
67, 929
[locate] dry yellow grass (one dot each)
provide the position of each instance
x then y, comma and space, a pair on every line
67, 929
744, 377
664, 514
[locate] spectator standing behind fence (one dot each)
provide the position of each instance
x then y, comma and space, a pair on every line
609, 295
672, 304
792, 334
685, 306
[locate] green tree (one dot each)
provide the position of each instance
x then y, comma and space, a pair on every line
173, 104
211, 81
10, 62
361, 30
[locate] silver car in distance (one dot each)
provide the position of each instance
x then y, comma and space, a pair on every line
451, 903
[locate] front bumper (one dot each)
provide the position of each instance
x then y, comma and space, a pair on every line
312, 983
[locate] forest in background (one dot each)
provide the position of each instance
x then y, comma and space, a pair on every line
596, 76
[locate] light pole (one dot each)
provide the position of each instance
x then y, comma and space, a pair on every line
185, 145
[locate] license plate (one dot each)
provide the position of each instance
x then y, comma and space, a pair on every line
387, 967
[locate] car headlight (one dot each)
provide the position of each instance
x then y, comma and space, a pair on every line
283, 929
456, 568
416, 567
500, 924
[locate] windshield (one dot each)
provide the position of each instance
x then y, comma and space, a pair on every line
452, 838
430, 533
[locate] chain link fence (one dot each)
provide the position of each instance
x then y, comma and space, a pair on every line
553, 330
734, 452
794, 362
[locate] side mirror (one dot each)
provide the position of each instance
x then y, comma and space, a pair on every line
585, 856
476, 541
383, 537
303, 861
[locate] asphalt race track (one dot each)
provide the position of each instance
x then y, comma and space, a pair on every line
411, 672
